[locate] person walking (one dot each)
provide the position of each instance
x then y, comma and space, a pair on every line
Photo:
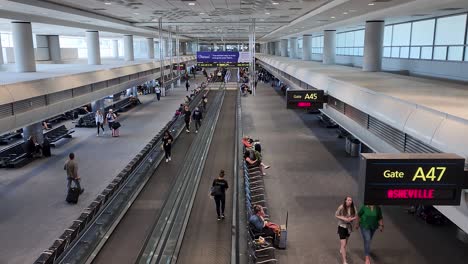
218, 191
370, 219
187, 85
99, 121
71, 167
111, 117
346, 214
158, 93
204, 101
167, 144
187, 118
197, 116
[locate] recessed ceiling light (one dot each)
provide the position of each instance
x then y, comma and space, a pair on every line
371, 4
332, 17
108, 3
345, 13
275, 3
267, 13
136, 13
191, 4
202, 13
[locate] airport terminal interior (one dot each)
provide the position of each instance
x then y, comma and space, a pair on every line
233, 131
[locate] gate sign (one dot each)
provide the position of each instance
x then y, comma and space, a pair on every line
222, 58
411, 179
304, 99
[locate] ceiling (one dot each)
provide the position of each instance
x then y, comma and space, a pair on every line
215, 20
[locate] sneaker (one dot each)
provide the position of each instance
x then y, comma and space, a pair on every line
196, 131
222, 216
97, 135
188, 131
267, 167
219, 218
264, 174
167, 160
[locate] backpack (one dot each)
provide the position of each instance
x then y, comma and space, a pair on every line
258, 155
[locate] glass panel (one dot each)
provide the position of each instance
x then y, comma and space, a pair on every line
401, 34
361, 51
340, 40
359, 38
450, 30
423, 32
395, 52
426, 53
386, 51
466, 54
415, 52
455, 53
350, 39
440, 53
321, 41
404, 52
388, 36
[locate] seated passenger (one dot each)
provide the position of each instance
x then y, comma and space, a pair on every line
260, 225
46, 125
254, 159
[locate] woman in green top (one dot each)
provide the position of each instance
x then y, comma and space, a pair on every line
370, 219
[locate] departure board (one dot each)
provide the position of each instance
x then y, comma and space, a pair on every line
410, 179
305, 99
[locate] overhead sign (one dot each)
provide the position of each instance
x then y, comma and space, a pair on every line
222, 58
305, 99
410, 179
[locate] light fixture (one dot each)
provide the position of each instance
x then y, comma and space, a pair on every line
371, 4
332, 17
345, 13
267, 13
275, 3
202, 13
108, 3
191, 3
136, 13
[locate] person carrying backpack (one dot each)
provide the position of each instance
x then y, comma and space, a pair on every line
187, 118
158, 92
218, 191
197, 116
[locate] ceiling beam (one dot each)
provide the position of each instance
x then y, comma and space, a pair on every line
143, 24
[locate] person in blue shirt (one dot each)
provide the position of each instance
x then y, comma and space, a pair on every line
257, 220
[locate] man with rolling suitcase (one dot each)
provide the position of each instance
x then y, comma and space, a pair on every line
72, 176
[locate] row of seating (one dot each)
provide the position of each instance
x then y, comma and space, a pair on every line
16, 155
71, 234
5, 139
255, 195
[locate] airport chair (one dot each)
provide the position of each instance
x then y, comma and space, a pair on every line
259, 260
266, 251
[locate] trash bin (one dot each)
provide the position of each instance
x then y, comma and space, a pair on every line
355, 147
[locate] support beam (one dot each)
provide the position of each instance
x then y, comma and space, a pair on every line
115, 48
92, 43
293, 48
1, 52
54, 48
307, 47
373, 46
284, 47
150, 48
128, 48
23, 46
329, 47
35, 131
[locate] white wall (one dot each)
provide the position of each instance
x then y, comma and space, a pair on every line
69, 53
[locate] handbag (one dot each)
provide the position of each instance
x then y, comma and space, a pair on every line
216, 190
116, 125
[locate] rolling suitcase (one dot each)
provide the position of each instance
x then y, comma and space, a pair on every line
283, 236
73, 194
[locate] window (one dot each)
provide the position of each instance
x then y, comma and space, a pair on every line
7, 40
350, 43
450, 30
423, 32
317, 45
441, 38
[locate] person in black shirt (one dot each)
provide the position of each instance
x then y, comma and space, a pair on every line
167, 144
219, 193
197, 116
187, 116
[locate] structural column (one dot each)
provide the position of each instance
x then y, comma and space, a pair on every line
1, 51
128, 48
150, 48
373, 46
92, 43
307, 47
23, 47
292, 48
115, 48
97, 105
277, 48
284, 47
54, 48
34, 130
329, 46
